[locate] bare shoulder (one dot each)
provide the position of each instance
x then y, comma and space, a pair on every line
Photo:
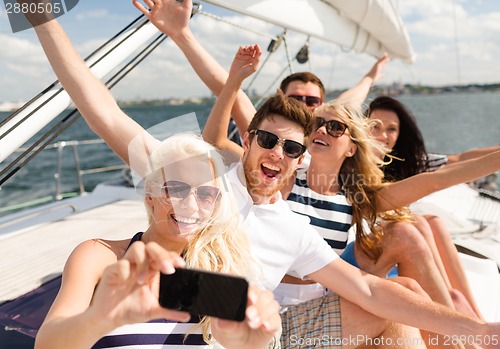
98, 253
88, 260
82, 273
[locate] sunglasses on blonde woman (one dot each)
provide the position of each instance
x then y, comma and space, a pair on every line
334, 128
206, 195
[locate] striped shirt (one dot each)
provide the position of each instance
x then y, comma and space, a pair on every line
154, 334
330, 215
436, 161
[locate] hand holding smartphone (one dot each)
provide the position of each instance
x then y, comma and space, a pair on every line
204, 293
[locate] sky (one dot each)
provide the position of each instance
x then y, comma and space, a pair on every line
455, 41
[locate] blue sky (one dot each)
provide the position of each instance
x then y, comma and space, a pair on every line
430, 24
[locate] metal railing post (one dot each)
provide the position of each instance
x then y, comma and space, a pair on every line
60, 146
78, 168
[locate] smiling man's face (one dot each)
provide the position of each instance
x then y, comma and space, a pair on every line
266, 170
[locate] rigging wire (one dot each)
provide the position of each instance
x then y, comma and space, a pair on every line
221, 19
287, 51
72, 116
273, 46
51, 86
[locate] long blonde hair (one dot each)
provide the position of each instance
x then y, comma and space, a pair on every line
360, 175
221, 245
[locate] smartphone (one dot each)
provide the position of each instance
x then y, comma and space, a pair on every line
204, 293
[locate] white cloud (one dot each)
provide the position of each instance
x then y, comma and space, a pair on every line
87, 15
167, 73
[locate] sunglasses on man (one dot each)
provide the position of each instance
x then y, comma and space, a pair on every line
310, 101
268, 140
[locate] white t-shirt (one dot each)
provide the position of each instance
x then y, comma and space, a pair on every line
282, 242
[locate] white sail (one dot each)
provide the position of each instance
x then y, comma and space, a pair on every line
368, 26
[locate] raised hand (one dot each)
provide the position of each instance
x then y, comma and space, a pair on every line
375, 72
262, 323
171, 17
128, 290
246, 61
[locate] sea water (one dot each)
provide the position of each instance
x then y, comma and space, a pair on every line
451, 123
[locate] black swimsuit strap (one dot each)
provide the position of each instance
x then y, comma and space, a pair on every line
136, 237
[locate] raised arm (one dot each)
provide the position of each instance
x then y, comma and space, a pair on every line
404, 192
472, 154
357, 94
90, 95
172, 18
244, 64
391, 301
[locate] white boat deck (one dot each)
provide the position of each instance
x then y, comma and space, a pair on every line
32, 256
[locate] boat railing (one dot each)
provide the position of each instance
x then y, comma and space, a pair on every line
60, 146
58, 195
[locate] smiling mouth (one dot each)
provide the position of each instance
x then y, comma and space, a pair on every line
184, 220
270, 170
320, 142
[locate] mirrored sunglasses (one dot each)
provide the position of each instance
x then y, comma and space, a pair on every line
334, 128
268, 140
310, 101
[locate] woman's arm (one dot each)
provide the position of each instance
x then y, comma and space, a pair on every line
90, 95
357, 94
215, 131
391, 301
125, 294
471, 154
68, 320
172, 18
404, 192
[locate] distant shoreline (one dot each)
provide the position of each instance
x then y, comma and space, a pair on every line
394, 89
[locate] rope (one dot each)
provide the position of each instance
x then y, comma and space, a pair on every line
210, 15
264, 95
287, 51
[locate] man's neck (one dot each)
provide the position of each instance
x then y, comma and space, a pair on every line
265, 199
323, 178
